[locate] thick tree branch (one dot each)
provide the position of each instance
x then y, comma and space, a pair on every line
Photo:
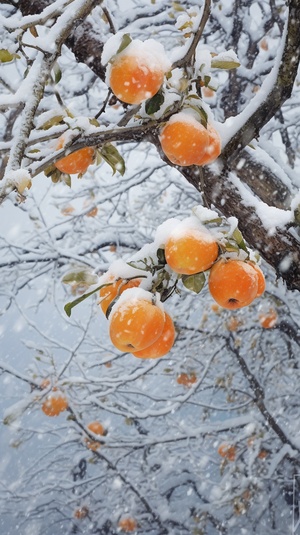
275, 97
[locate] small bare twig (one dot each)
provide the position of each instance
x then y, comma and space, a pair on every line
188, 57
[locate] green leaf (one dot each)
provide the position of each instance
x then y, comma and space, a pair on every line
54, 121
93, 121
57, 73
55, 176
204, 117
80, 276
6, 56
206, 80
187, 25
238, 237
195, 282
125, 41
224, 63
49, 170
153, 104
33, 31
177, 6
231, 247
68, 307
112, 156
202, 114
66, 179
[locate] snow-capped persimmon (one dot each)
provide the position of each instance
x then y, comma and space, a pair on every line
227, 451
127, 524
76, 162
190, 250
162, 345
137, 73
54, 404
184, 140
113, 289
135, 321
233, 283
98, 429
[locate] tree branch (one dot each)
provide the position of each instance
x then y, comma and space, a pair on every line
82, 41
260, 397
282, 85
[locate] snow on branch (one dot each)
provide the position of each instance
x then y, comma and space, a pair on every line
275, 90
32, 88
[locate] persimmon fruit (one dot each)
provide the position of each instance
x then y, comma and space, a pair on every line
186, 379
134, 77
162, 345
233, 283
189, 250
76, 162
111, 291
127, 524
227, 451
54, 404
81, 512
135, 324
98, 429
184, 140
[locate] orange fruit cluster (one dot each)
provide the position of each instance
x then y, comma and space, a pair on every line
137, 325
76, 162
185, 141
233, 283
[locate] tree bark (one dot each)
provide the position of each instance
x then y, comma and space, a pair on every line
82, 41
